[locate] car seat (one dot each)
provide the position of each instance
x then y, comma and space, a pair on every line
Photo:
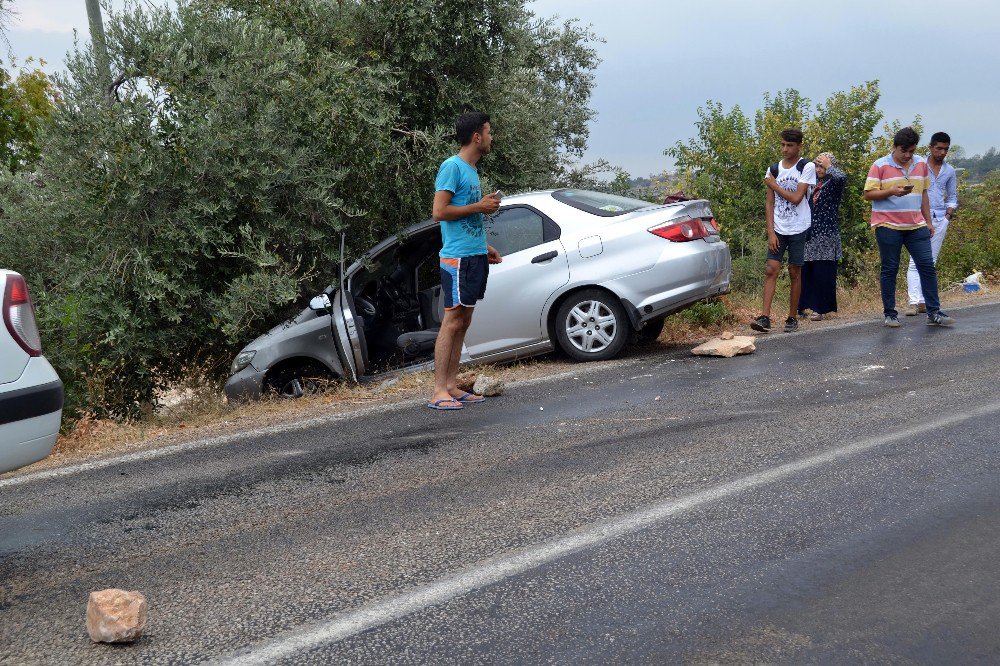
420, 343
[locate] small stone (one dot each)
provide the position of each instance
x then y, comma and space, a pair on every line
741, 344
727, 335
657, 399
116, 616
466, 381
388, 384
489, 386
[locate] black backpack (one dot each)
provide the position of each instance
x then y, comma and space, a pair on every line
800, 165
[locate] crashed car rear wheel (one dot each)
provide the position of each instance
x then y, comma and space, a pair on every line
297, 381
591, 325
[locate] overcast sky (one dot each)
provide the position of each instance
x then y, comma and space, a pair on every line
662, 60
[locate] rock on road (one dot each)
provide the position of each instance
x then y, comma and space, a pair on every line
835, 497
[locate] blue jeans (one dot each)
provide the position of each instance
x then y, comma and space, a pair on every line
918, 243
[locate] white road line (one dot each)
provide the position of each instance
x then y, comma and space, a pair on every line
495, 570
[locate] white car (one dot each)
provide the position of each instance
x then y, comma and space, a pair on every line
31, 393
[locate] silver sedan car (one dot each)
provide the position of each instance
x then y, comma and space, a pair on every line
582, 271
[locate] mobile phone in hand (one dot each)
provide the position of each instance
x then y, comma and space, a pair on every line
908, 188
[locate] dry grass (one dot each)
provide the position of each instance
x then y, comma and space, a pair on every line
202, 412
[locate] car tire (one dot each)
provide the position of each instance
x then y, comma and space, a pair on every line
651, 331
591, 325
297, 381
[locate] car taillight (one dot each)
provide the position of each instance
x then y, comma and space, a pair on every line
711, 221
683, 230
19, 316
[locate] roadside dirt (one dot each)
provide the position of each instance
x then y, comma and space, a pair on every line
202, 413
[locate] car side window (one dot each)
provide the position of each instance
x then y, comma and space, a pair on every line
515, 229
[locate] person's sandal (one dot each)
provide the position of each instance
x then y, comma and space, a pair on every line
441, 406
816, 316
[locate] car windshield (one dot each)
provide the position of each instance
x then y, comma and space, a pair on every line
599, 203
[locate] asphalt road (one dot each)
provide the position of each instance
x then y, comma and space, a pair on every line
832, 498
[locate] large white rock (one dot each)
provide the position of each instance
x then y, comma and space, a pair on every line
739, 344
489, 386
116, 616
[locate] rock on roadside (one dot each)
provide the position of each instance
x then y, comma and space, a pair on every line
739, 344
489, 386
116, 616
466, 381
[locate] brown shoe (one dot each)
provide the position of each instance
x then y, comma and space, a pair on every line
914, 310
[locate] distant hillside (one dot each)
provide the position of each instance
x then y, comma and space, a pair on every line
977, 166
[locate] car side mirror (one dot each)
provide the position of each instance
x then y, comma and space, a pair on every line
320, 304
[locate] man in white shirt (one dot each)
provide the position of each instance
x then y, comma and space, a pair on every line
788, 221
943, 198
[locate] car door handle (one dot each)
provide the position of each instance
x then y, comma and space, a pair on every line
545, 257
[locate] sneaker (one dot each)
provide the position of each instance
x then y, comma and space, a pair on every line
915, 309
940, 319
816, 316
761, 323
791, 325
891, 321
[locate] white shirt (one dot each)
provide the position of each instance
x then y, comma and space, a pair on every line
789, 218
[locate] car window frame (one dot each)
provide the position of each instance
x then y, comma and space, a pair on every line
551, 231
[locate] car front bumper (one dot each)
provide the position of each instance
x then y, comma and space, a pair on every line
247, 384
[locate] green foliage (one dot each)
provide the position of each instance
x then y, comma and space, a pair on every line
977, 166
973, 240
26, 100
707, 314
165, 231
726, 161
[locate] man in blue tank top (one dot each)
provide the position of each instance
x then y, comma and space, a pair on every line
459, 206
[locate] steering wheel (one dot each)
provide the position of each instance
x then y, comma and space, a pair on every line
391, 289
366, 310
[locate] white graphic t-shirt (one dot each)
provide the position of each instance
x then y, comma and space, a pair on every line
788, 218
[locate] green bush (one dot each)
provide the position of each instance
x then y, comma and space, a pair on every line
973, 240
707, 314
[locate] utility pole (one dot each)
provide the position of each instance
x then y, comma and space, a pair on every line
100, 47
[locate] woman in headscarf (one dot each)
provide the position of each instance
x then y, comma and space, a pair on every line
823, 248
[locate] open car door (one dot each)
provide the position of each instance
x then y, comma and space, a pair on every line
348, 332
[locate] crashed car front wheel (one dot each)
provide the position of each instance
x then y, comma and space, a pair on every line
297, 381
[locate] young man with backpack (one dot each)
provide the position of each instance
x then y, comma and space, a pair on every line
788, 219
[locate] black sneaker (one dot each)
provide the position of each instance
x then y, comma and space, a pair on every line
761, 323
891, 321
939, 319
791, 325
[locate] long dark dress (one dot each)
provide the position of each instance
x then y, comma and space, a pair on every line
823, 249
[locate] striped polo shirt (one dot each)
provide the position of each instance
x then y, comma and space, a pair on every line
898, 212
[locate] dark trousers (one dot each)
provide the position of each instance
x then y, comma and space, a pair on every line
819, 287
918, 243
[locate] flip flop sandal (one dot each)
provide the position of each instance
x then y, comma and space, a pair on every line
439, 405
471, 397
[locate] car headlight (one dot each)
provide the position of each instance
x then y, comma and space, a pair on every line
243, 360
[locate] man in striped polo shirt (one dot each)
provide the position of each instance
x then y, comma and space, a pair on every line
897, 186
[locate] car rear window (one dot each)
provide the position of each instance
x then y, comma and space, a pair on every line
599, 203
